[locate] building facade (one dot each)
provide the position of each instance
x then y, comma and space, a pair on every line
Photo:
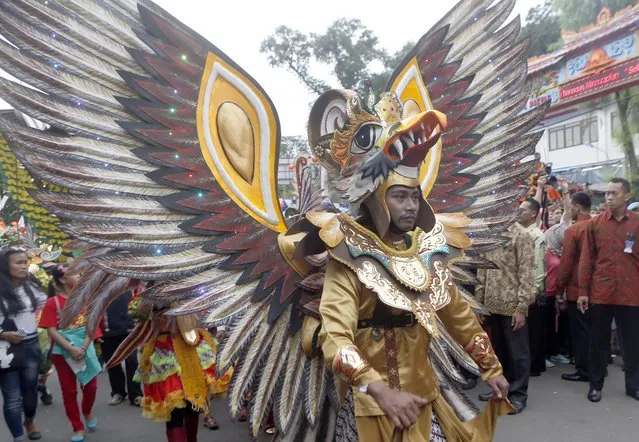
582, 126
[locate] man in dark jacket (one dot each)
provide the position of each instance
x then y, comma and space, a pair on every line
117, 326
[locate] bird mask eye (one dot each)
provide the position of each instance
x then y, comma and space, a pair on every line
365, 138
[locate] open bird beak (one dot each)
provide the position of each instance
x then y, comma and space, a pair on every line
410, 142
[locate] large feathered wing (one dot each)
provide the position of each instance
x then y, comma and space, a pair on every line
472, 67
169, 151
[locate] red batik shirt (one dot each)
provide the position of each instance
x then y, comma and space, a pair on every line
607, 275
568, 274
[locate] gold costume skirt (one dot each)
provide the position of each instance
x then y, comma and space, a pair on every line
479, 429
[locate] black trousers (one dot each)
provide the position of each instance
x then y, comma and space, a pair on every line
121, 384
537, 337
579, 336
551, 336
564, 341
513, 350
627, 319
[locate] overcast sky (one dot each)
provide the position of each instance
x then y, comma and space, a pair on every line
238, 28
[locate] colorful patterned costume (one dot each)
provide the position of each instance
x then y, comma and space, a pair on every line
176, 370
173, 372
169, 151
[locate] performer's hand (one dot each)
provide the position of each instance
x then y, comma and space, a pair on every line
582, 304
499, 385
518, 321
401, 407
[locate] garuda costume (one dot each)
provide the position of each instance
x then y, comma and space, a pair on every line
169, 153
382, 304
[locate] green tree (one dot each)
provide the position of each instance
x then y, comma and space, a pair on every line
349, 48
294, 146
543, 28
575, 14
293, 50
628, 107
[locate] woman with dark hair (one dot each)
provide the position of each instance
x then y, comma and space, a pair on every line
20, 298
73, 353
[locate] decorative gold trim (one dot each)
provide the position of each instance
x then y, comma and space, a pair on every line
378, 243
392, 365
409, 86
426, 316
439, 292
320, 218
480, 349
411, 272
221, 84
349, 363
406, 266
387, 292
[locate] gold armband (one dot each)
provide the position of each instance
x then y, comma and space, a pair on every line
482, 352
349, 363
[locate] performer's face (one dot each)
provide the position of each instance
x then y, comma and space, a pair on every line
403, 204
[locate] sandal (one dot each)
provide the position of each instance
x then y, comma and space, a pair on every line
210, 423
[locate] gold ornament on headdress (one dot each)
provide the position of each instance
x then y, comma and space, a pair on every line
389, 109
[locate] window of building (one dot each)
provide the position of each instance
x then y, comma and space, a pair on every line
615, 123
574, 134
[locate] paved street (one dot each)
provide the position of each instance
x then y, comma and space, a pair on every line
557, 411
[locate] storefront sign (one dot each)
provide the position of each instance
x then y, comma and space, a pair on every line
605, 79
551, 95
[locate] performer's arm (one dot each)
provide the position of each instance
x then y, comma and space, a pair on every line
339, 310
462, 324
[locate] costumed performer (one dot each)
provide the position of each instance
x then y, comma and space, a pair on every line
177, 371
380, 350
